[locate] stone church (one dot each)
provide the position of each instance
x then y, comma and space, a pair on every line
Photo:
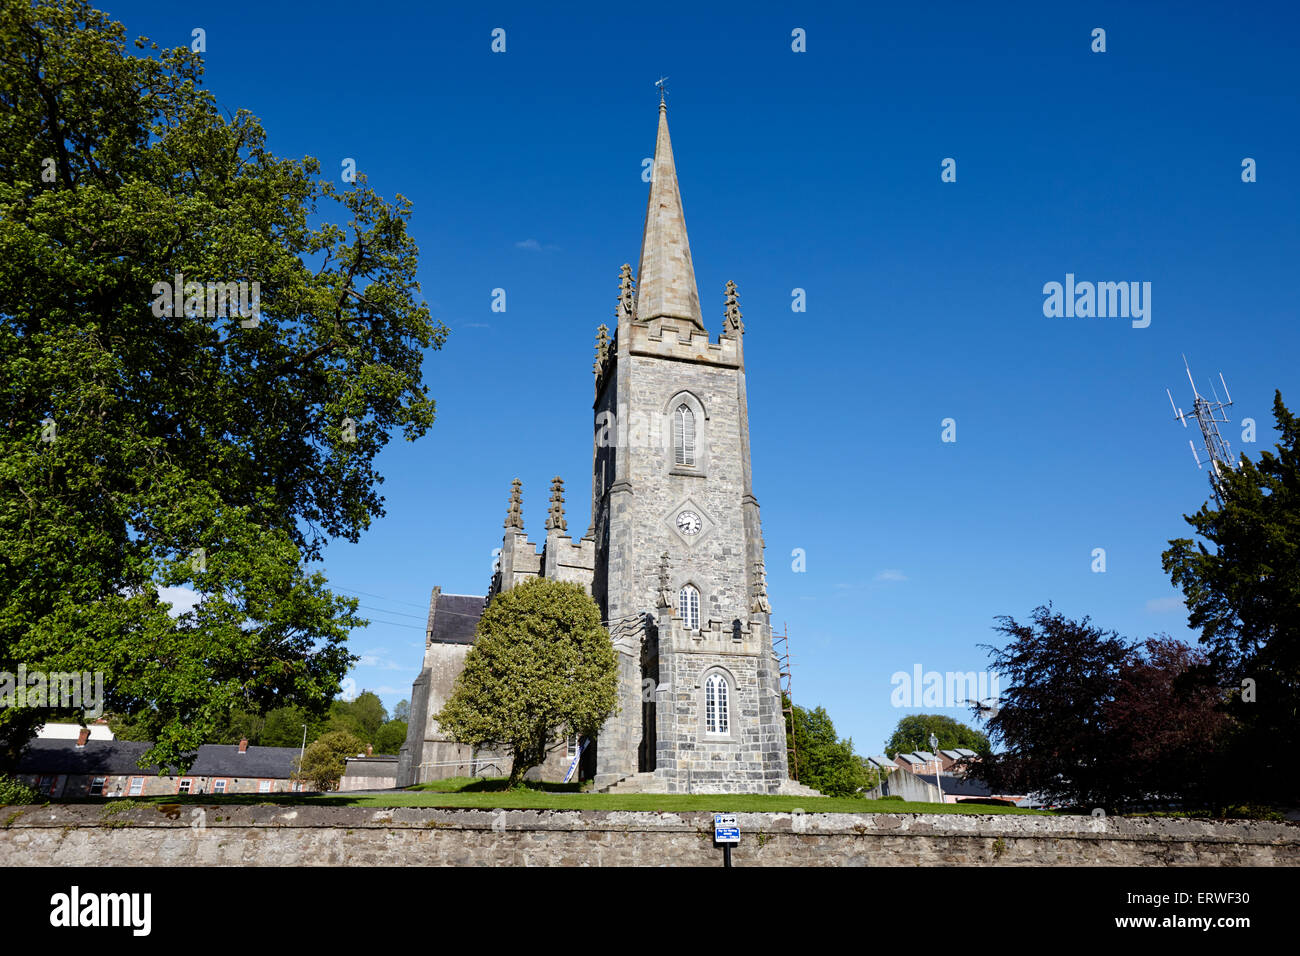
673, 555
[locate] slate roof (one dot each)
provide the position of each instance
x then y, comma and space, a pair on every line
120, 757
923, 755
104, 757
225, 760
883, 762
454, 619
910, 758
959, 786
966, 753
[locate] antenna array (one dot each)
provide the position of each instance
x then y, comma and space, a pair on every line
1209, 416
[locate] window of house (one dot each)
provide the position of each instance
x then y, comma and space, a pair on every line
684, 436
297, 787
571, 746
186, 784
97, 786
137, 786
219, 786
46, 783
688, 607
264, 786
715, 705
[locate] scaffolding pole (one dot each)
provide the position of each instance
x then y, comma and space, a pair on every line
781, 647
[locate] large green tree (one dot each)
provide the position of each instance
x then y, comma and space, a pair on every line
1052, 718
1242, 587
542, 668
822, 760
362, 716
913, 733
194, 448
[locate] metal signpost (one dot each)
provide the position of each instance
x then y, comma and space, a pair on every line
726, 831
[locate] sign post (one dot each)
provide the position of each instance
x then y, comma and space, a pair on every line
726, 831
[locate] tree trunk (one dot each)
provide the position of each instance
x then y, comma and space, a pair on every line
518, 768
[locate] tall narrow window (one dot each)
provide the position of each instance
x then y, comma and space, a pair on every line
715, 704
688, 607
684, 435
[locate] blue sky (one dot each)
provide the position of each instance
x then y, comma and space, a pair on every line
819, 170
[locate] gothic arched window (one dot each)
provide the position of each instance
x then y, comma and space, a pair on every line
688, 607
716, 718
684, 435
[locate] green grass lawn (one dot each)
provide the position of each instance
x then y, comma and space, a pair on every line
469, 793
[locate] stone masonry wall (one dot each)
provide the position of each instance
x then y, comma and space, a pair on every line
84, 835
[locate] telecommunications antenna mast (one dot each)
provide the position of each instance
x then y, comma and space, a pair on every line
1209, 416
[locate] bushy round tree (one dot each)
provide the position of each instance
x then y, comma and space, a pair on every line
542, 668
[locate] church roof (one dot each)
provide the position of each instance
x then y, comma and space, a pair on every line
666, 277
454, 618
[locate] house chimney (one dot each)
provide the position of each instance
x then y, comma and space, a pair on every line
83, 736
243, 745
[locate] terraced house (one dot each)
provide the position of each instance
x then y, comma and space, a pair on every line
110, 768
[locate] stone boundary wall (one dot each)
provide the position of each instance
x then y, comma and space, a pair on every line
225, 835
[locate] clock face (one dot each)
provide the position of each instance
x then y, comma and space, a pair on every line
688, 522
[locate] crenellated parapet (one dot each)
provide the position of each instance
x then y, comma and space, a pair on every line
674, 339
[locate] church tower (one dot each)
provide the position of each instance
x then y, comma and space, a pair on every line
678, 565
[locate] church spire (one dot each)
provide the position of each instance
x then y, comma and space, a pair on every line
666, 276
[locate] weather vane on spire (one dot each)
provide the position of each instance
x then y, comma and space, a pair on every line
662, 89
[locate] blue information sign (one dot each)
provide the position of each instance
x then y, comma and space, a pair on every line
725, 828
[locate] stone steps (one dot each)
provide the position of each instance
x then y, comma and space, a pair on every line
636, 783
649, 783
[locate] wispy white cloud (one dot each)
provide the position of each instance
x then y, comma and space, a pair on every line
891, 574
377, 658
532, 245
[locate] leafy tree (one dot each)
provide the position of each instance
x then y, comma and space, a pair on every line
390, 737
13, 792
325, 759
196, 449
127, 728
1243, 594
1051, 721
823, 761
362, 716
1165, 728
284, 727
913, 733
402, 710
541, 669
243, 724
